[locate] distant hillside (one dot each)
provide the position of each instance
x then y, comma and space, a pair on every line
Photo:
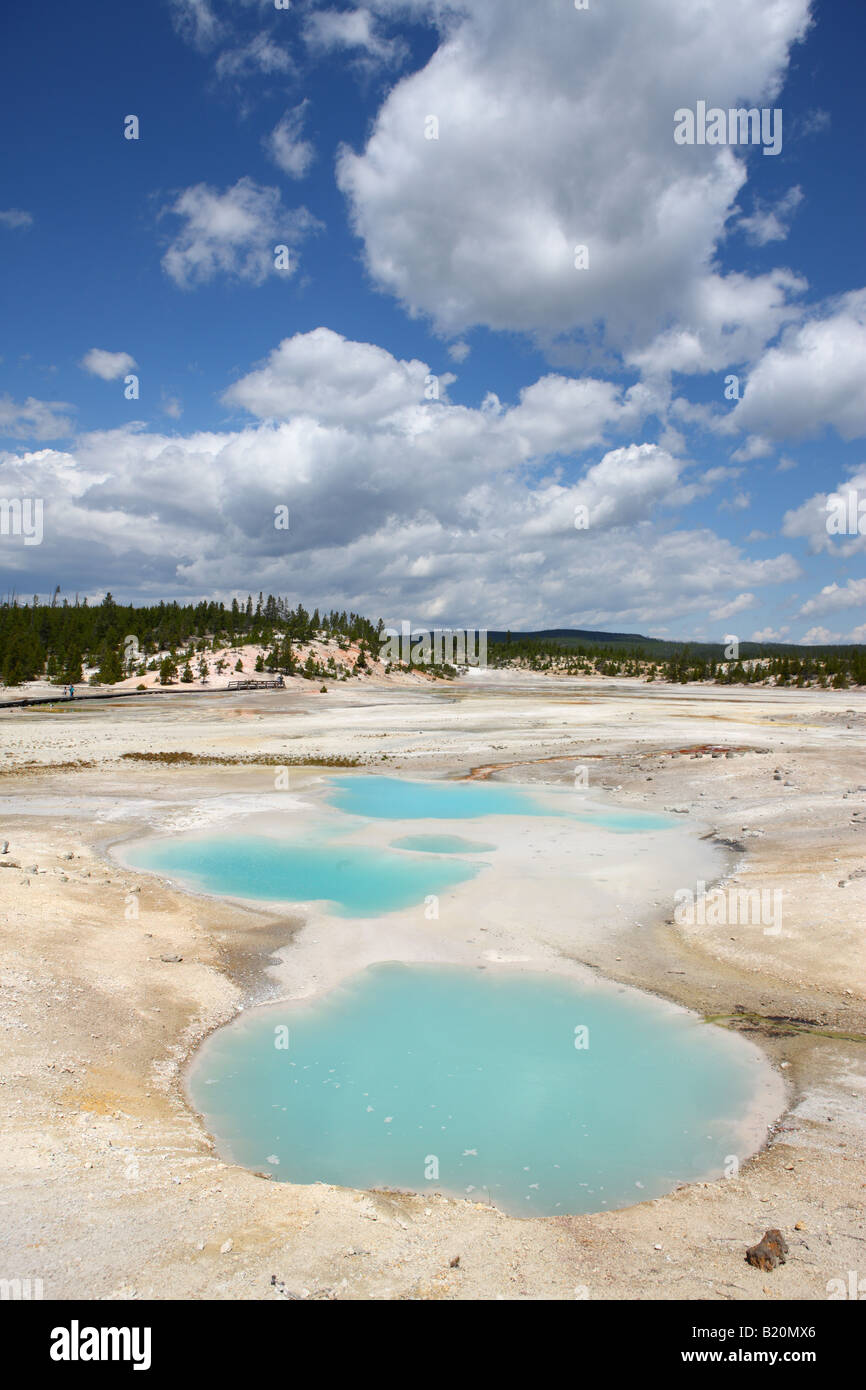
572, 635
563, 638
582, 652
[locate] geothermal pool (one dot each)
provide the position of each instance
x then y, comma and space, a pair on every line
527, 1090
519, 1089
353, 882
391, 798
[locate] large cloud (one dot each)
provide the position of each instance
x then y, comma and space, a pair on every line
815, 377
400, 506
825, 519
723, 319
835, 596
556, 132
322, 375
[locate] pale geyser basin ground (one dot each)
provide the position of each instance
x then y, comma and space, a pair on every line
700, 1095
537, 1094
441, 844
80, 967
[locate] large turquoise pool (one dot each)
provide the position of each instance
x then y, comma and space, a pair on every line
470, 1082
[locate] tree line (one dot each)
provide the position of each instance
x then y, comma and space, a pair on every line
56, 640
835, 667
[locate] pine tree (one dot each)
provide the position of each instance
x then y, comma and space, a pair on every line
167, 670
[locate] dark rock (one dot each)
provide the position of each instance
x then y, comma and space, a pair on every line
769, 1252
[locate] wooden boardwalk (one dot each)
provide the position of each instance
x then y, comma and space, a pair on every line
85, 695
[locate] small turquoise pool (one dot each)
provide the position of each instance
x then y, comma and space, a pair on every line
442, 844
524, 1090
392, 798
356, 881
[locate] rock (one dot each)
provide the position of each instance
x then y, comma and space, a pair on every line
799, 1226
4, 848
454, 1264
769, 1252
226, 1246
171, 960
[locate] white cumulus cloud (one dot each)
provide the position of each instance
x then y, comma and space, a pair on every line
815, 377
232, 233
835, 596
401, 504
554, 134
108, 365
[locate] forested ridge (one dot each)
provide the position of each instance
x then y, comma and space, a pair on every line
57, 639
681, 663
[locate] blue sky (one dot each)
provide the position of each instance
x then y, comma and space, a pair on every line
432, 386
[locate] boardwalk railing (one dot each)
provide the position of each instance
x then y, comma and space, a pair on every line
84, 694
277, 684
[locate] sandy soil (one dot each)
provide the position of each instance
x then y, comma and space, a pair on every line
109, 1184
